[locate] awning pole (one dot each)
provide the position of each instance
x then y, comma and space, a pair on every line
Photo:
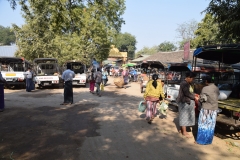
195, 63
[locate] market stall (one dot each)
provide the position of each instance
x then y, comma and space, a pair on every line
224, 54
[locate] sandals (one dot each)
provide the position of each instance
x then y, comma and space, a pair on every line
149, 120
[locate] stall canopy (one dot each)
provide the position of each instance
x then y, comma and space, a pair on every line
129, 65
227, 53
156, 64
179, 67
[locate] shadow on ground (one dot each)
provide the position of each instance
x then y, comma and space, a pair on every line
60, 132
46, 132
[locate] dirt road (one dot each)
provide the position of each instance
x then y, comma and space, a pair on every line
34, 126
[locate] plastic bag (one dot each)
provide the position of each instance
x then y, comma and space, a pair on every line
142, 106
163, 108
102, 87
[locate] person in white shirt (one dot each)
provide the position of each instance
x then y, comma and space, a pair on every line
68, 76
28, 77
1, 78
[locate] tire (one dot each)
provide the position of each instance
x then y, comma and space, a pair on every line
40, 86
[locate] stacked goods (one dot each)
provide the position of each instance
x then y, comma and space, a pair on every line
119, 82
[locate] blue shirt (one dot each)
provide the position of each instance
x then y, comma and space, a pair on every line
95, 64
68, 75
133, 72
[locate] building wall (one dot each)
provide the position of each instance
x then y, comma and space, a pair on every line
8, 51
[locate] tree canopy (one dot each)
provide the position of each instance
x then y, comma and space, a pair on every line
166, 46
67, 29
226, 14
207, 32
126, 42
7, 36
147, 50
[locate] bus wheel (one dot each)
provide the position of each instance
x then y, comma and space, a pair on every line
40, 86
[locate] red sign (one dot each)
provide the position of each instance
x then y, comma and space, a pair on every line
186, 51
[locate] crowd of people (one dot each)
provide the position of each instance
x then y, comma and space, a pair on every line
187, 100
154, 93
207, 103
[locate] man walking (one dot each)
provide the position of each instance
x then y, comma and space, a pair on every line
68, 76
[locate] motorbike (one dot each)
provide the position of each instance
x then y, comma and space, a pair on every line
131, 78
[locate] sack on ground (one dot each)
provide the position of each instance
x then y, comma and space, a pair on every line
119, 82
142, 106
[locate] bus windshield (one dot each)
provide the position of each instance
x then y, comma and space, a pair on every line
13, 64
76, 67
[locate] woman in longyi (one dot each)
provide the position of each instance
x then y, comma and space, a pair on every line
208, 114
153, 91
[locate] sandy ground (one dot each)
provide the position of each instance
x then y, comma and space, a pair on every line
34, 126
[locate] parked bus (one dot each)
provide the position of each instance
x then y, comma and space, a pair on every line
12, 69
80, 72
47, 72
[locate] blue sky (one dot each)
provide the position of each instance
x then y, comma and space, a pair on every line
151, 22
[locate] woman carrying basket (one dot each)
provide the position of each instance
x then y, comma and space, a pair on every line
153, 91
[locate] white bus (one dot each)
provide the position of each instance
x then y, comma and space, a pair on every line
12, 69
47, 72
80, 72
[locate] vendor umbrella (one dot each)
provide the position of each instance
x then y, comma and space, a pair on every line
131, 64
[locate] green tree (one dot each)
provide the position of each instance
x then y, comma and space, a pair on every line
166, 46
207, 32
147, 50
126, 42
7, 36
226, 14
68, 29
35, 39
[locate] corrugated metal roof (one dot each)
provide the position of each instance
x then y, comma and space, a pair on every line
8, 51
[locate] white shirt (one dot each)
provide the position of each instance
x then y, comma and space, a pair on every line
1, 78
28, 74
68, 75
